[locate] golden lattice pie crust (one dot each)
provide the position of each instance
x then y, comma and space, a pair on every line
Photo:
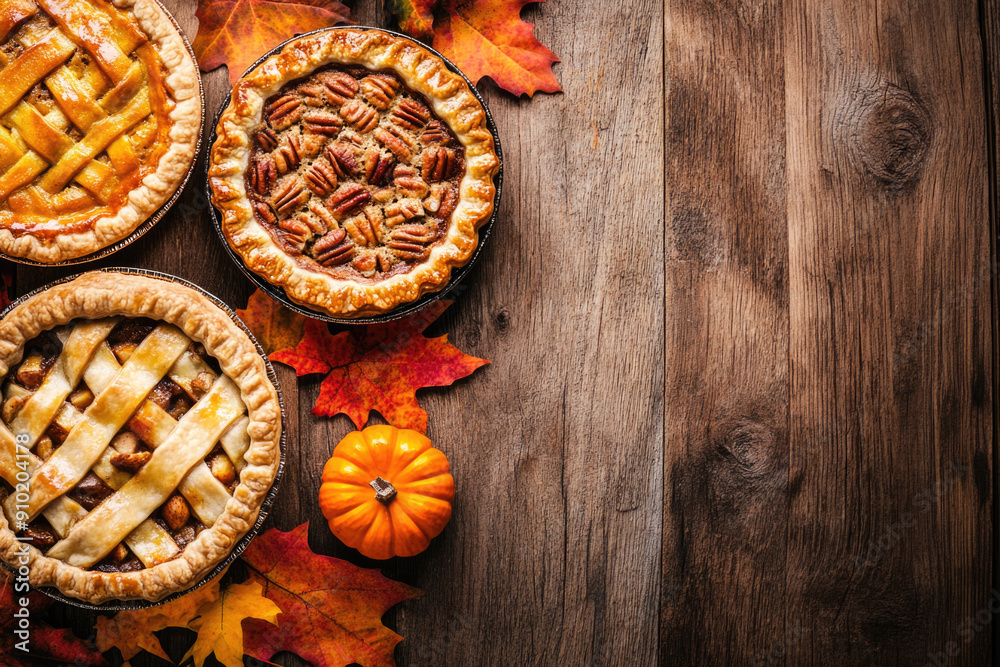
100, 117
236, 414
394, 257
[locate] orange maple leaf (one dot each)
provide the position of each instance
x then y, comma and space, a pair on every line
235, 33
415, 17
219, 623
275, 326
331, 609
488, 38
379, 367
132, 630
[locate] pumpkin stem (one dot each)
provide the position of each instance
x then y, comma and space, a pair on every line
384, 490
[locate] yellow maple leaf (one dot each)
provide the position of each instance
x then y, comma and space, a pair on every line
132, 631
219, 624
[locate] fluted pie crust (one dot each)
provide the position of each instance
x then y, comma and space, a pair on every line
182, 315
449, 99
101, 105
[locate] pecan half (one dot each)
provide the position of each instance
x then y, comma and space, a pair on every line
296, 231
360, 115
403, 210
411, 114
333, 248
280, 111
344, 158
435, 133
288, 156
267, 139
385, 261
312, 94
265, 212
321, 178
323, 214
396, 140
379, 89
130, 462
360, 231
438, 164
340, 87
377, 166
409, 241
375, 218
322, 122
365, 264
264, 175
449, 201
433, 201
408, 183
289, 196
348, 197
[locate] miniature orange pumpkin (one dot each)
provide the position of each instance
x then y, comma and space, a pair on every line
386, 491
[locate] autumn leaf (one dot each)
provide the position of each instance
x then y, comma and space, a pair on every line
488, 38
331, 609
219, 625
132, 630
415, 17
45, 642
236, 33
379, 367
275, 326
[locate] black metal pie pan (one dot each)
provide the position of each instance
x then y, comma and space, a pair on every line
241, 545
149, 222
458, 273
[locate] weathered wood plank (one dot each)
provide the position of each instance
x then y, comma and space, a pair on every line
890, 480
726, 362
552, 555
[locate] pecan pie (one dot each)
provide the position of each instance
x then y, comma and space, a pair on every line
100, 115
353, 169
139, 437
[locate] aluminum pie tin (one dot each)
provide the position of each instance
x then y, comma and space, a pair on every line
148, 223
457, 274
244, 542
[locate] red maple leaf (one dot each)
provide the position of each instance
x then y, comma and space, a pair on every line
331, 609
484, 38
235, 33
379, 367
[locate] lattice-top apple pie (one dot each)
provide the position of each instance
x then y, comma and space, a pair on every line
353, 170
100, 115
139, 436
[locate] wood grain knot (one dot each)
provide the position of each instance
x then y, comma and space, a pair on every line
749, 447
501, 321
889, 134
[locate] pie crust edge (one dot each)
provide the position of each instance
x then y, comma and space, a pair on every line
97, 295
451, 100
184, 84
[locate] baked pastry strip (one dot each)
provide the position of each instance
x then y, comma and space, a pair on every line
32, 65
103, 419
120, 513
13, 12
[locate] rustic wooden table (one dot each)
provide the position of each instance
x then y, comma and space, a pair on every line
741, 307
